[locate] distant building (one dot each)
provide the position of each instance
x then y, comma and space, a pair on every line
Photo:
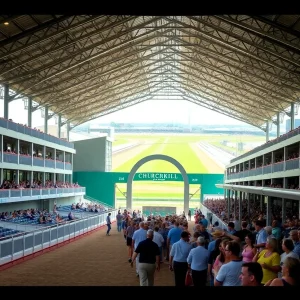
288, 124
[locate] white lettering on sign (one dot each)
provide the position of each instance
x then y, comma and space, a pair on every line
158, 176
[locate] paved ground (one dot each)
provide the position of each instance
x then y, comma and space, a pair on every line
93, 260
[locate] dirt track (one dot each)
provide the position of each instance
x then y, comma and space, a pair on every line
121, 157
208, 162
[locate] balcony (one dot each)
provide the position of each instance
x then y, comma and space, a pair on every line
59, 164
49, 163
17, 195
68, 166
292, 164
34, 133
35, 161
38, 162
10, 157
25, 160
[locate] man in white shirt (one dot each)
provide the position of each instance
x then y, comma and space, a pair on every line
229, 273
198, 262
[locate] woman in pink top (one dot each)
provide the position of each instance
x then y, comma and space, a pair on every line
249, 251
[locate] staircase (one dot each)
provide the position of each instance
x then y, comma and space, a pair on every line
109, 207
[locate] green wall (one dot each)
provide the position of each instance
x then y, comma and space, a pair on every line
101, 185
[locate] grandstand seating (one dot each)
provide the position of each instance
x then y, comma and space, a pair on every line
4, 232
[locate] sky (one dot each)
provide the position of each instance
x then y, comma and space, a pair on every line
155, 111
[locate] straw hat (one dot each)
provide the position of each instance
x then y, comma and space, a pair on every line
217, 233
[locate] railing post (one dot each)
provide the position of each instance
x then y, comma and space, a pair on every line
33, 238
12, 248
23, 244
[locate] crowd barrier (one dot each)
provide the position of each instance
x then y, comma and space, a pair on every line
205, 211
27, 243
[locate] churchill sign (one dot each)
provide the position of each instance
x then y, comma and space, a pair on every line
158, 176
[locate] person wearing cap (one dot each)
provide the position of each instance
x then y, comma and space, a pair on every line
149, 259
217, 233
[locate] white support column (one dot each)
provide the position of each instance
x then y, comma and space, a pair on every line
1, 175
44, 155
31, 156
18, 150
269, 212
54, 158
278, 124
228, 204
267, 131
292, 116
240, 210
2, 148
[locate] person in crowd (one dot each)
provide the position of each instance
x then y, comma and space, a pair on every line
205, 234
178, 258
189, 215
149, 259
229, 273
119, 218
71, 216
203, 221
159, 240
108, 224
269, 259
211, 260
294, 236
193, 240
230, 228
198, 262
216, 234
287, 247
290, 274
276, 230
138, 236
221, 258
251, 274
248, 250
129, 234
261, 236
173, 235
239, 235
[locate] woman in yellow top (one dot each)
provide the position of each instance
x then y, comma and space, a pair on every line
269, 259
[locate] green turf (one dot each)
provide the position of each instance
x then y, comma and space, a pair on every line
120, 141
177, 148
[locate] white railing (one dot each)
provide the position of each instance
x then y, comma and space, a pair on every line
15, 195
208, 212
26, 243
